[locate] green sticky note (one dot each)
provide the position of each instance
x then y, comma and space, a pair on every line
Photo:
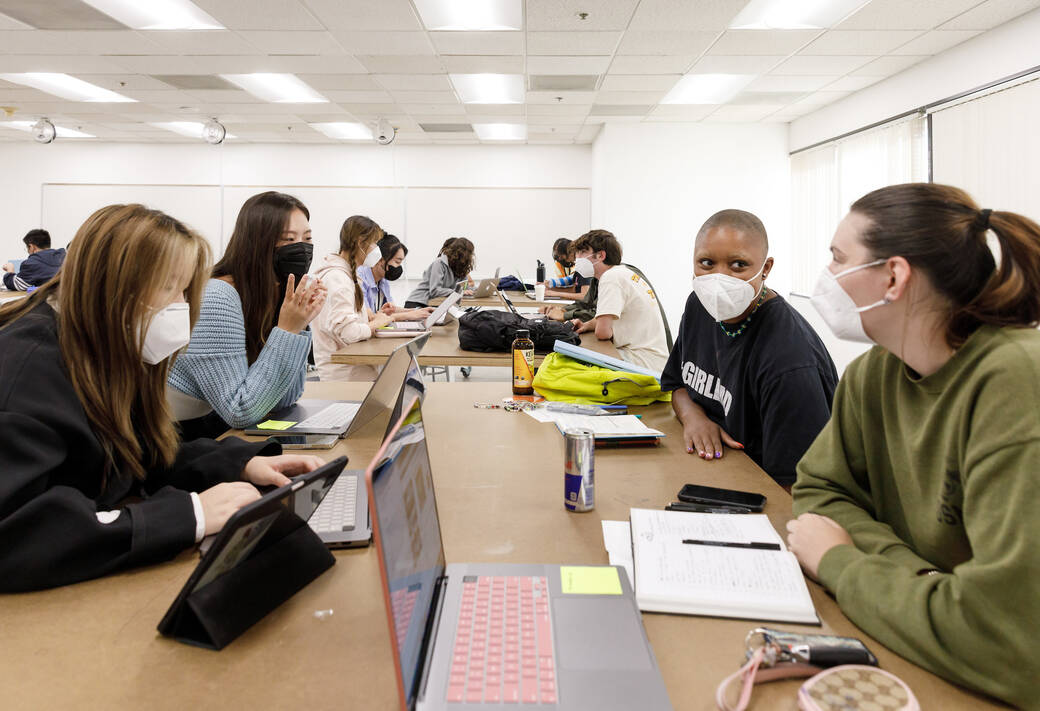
590, 580
275, 425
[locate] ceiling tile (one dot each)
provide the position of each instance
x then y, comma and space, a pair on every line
572, 43
852, 83
744, 42
365, 14
126, 82
282, 15
67, 42
788, 83
629, 97
414, 82
367, 108
167, 97
341, 82
478, 42
619, 110
743, 113
903, 15
686, 15
638, 82
886, 66
863, 42
990, 14
822, 98
819, 66
588, 134
293, 42
9, 23
936, 41
565, 97
666, 43
651, 65
434, 109
562, 15
393, 43
59, 15
229, 64
357, 97
780, 98
726, 64
424, 97
317, 65
215, 96
566, 123
473, 64
62, 63
164, 64
562, 82
209, 42
557, 109
477, 110
402, 64
567, 65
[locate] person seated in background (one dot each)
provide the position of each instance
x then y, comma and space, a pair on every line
248, 351
375, 281
568, 284
747, 370
451, 266
562, 257
38, 268
584, 309
917, 504
626, 309
95, 479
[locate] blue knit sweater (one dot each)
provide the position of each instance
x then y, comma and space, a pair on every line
216, 369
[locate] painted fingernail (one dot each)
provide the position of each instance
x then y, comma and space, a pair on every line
700, 453
718, 455
689, 450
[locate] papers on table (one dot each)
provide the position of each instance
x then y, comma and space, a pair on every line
602, 426
617, 537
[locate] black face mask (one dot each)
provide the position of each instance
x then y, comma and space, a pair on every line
295, 259
394, 273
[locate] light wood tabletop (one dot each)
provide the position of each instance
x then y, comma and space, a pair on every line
499, 489
6, 295
519, 299
443, 349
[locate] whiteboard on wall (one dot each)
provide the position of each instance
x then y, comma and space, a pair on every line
65, 207
510, 227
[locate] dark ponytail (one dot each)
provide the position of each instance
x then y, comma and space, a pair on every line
940, 230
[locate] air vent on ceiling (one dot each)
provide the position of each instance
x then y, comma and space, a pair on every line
562, 82
446, 127
195, 81
619, 110
58, 15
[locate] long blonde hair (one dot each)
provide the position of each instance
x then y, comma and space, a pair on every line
118, 259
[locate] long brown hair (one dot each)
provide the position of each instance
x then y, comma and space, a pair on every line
357, 231
249, 261
460, 256
119, 257
941, 231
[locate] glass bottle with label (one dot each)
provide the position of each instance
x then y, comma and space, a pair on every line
523, 363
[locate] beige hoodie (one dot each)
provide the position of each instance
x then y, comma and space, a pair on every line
339, 323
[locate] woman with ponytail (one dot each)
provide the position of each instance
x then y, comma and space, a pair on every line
919, 498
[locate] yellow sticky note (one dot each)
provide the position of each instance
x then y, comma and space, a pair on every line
275, 425
590, 580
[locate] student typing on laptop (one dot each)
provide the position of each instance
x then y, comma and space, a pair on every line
375, 281
452, 265
85, 425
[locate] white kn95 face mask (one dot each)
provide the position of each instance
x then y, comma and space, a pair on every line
838, 309
724, 296
168, 332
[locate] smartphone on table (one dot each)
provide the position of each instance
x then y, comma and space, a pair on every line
300, 441
709, 495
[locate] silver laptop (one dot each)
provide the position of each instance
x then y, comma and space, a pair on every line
487, 287
529, 293
399, 329
496, 635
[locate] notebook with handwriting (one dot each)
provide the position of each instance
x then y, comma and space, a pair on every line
718, 565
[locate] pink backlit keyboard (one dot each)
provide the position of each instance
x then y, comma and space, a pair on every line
503, 645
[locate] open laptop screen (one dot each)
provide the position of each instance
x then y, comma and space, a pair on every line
383, 396
409, 537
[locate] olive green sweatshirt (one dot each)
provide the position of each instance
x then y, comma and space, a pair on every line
940, 472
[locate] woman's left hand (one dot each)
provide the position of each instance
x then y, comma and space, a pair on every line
275, 471
810, 536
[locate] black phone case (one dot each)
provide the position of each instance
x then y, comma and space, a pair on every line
710, 501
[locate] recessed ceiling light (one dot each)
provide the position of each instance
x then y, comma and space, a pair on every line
67, 87
277, 88
470, 14
489, 88
157, 14
707, 88
191, 129
794, 14
344, 131
501, 131
63, 132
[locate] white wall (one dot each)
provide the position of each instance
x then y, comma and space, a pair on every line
1000, 52
655, 184
539, 192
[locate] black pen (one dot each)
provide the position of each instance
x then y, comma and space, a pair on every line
698, 508
731, 544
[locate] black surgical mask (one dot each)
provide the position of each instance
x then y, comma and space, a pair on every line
293, 258
394, 273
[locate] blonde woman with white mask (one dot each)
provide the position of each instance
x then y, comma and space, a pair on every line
746, 371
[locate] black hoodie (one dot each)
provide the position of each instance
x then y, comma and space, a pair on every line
37, 269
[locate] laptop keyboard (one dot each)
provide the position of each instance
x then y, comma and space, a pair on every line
332, 417
338, 510
503, 645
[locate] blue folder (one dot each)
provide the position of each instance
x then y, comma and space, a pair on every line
604, 361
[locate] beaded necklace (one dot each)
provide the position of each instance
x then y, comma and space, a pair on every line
746, 321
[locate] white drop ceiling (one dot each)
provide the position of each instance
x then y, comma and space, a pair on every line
375, 59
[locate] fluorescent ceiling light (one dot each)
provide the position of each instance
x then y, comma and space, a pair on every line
794, 14
62, 132
489, 88
191, 129
501, 131
707, 88
277, 88
344, 131
470, 14
157, 14
67, 87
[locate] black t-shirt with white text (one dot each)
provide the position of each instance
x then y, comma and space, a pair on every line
770, 388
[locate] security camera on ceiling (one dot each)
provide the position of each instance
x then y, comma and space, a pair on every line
384, 132
43, 131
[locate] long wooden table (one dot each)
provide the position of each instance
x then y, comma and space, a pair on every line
499, 493
443, 349
6, 295
518, 298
